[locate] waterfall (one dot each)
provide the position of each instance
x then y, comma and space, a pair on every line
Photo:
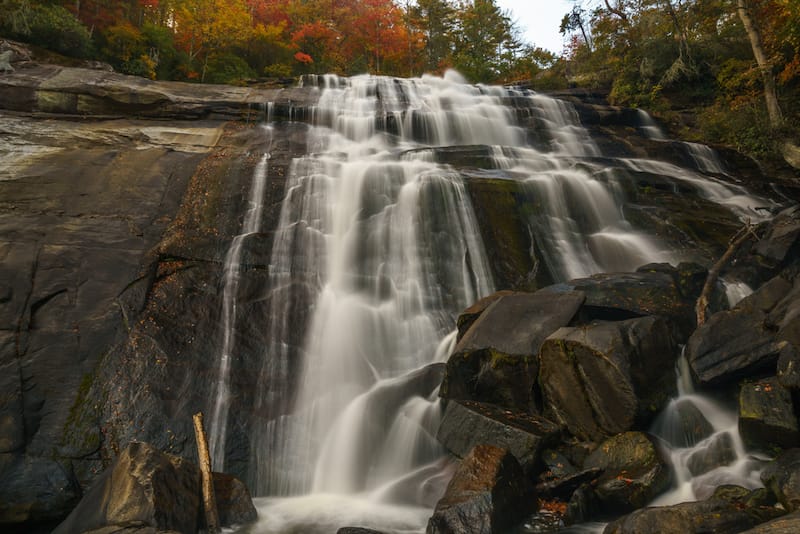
230, 276
704, 445
376, 252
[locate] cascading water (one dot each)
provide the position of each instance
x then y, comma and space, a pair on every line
379, 242
704, 445
230, 276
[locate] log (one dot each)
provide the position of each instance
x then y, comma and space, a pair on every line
701, 306
209, 500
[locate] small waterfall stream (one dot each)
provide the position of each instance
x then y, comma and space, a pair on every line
704, 444
378, 249
230, 274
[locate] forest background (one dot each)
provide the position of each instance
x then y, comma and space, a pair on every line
719, 71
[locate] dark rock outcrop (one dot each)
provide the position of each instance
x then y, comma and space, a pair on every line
467, 424
599, 379
488, 494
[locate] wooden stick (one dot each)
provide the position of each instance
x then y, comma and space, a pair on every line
209, 500
701, 306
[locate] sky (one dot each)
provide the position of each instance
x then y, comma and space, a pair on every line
539, 20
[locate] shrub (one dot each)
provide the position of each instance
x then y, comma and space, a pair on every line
57, 29
227, 68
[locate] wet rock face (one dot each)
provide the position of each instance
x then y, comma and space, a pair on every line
82, 205
488, 494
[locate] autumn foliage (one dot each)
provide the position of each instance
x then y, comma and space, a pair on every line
242, 40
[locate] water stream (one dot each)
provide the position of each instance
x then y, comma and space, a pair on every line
230, 275
379, 245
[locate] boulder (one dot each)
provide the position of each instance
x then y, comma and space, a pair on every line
487, 494
151, 489
731, 509
234, 504
634, 472
467, 424
737, 343
357, 530
496, 360
782, 478
599, 379
766, 416
143, 486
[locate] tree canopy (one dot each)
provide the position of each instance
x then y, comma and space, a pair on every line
735, 64
235, 40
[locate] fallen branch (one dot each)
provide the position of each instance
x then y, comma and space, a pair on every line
701, 306
209, 500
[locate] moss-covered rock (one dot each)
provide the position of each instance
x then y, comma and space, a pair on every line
634, 472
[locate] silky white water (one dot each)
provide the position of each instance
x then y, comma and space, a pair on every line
705, 448
376, 252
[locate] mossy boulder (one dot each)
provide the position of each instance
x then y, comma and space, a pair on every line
634, 472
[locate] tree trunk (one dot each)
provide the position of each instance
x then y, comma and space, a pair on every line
209, 500
701, 305
683, 47
770, 92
